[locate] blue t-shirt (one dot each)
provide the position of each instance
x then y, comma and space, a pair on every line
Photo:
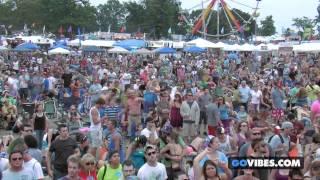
150, 100
221, 157
277, 98
244, 94
224, 112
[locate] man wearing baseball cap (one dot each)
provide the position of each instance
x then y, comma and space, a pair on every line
281, 142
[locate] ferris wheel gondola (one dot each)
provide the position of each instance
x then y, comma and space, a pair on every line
236, 23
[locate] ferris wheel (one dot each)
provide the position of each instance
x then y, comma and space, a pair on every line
225, 10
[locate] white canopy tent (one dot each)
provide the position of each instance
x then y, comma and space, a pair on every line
118, 49
202, 43
307, 47
75, 42
143, 51
247, 47
59, 51
233, 47
98, 43
273, 47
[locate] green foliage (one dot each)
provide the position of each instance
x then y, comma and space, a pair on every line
51, 13
267, 26
153, 17
112, 14
302, 23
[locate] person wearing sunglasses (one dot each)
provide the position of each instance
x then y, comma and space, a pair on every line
152, 169
88, 167
16, 170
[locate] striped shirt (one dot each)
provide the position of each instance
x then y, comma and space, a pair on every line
112, 112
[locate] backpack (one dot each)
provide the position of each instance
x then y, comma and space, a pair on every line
281, 139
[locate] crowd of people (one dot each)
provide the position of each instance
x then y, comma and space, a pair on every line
127, 117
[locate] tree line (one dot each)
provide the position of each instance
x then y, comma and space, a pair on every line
157, 18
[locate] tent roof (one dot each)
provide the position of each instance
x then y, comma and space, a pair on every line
165, 50
92, 49
30, 46
60, 46
202, 43
98, 43
233, 47
131, 43
307, 47
58, 50
247, 47
118, 49
194, 49
143, 51
22, 49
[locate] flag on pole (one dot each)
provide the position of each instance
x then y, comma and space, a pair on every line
109, 28
169, 31
70, 29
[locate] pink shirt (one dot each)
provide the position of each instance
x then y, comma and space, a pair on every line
315, 108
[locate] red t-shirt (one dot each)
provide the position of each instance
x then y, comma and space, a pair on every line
84, 175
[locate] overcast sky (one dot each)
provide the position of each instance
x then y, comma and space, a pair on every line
283, 11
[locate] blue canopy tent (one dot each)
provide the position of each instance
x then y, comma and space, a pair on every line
22, 49
165, 50
194, 49
131, 43
92, 49
60, 46
29, 46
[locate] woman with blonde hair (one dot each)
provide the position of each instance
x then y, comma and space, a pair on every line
88, 167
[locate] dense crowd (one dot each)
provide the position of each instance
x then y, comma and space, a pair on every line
98, 117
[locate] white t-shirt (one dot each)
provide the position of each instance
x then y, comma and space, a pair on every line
24, 174
147, 172
4, 164
35, 167
52, 81
146, 132
13, 82
255, 96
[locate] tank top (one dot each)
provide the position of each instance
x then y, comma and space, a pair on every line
112, 145
225, 147
40, 122
92, 125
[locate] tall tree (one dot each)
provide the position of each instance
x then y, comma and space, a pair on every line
305, 26
267, 26
111, 14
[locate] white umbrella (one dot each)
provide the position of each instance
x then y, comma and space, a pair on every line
58, 51
247, 47
202, 43
234, 47
143, 51
118, 49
